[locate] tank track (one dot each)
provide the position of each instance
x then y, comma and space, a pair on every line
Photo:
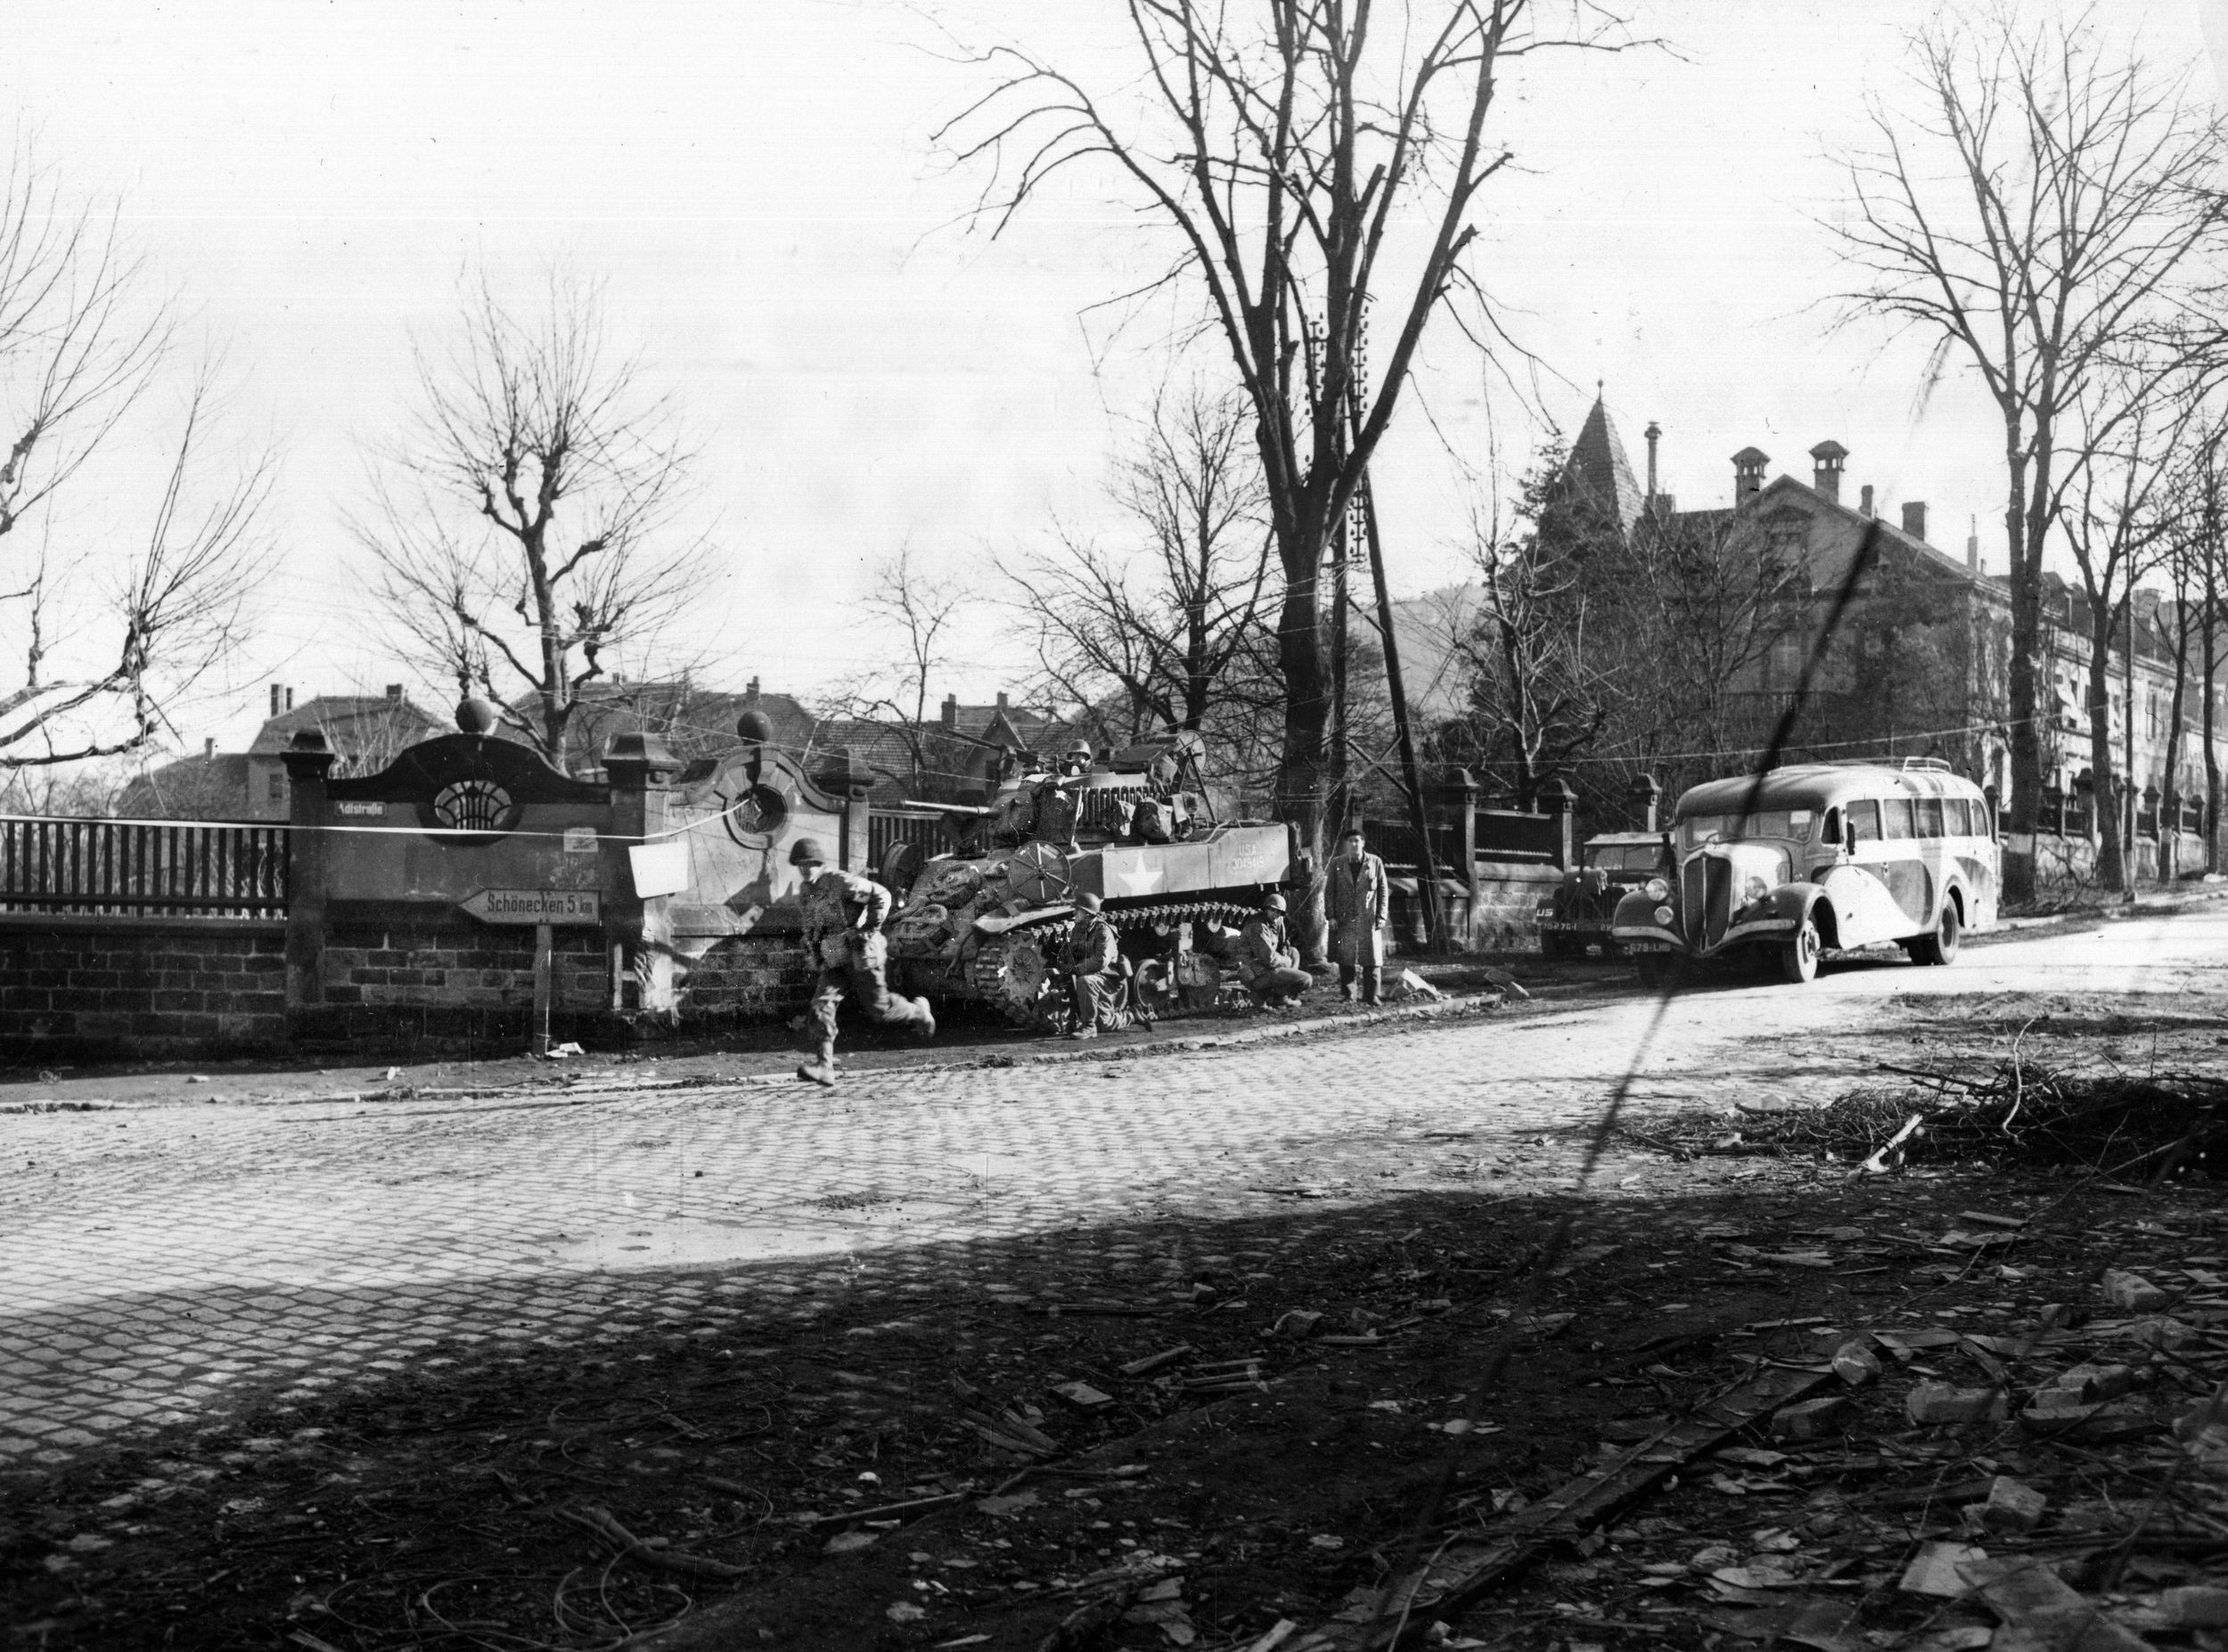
991, 956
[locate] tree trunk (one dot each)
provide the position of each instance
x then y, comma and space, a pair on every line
2027, 672
2169, 785
2112, 868
2212, 757
1300, 769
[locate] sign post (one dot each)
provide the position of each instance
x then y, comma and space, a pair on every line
545, 910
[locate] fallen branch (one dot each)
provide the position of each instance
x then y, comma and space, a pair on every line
601, 1523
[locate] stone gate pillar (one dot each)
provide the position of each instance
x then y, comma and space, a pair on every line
1557, 800
307, 759
638, 928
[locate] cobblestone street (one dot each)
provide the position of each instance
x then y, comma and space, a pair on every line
169, 1261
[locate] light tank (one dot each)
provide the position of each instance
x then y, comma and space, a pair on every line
1135, 827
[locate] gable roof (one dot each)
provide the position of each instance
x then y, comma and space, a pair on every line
350, 721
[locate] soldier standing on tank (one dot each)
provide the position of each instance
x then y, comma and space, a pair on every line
1268, 962
1092, 961
1356, 899
844, 943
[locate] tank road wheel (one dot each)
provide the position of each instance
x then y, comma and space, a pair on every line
1941, 946
1799, 953
1013, 972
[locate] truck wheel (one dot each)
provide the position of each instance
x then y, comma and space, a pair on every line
1798, 953
1941, 946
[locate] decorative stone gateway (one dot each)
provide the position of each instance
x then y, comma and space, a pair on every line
433, 900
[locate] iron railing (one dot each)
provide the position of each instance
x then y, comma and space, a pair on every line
135, 868
926, 830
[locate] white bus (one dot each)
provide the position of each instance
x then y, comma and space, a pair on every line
1804, 861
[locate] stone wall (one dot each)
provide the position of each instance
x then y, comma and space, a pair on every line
417, 974
746, 978
100, 987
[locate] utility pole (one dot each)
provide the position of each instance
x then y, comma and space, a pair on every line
1427, 862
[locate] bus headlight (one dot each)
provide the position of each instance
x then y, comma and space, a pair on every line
1664, 915
1657, 889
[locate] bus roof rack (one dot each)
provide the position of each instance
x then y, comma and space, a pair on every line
1933, 765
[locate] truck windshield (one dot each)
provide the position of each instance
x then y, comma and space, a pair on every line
1696, 830
1626, 857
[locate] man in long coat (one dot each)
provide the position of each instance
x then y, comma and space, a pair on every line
844, 942
1356, 899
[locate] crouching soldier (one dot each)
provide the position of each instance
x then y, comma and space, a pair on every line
1268, 963
1092, 962
844, 940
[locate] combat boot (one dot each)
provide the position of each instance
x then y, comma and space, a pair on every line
925, 1027
820, 1068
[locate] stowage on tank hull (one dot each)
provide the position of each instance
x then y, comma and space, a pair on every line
988, 925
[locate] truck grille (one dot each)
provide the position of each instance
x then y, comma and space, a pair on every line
1706, 900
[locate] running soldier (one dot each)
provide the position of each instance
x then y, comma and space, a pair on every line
844, 941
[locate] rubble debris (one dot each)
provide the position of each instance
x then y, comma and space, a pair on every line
2012, 1508
2131, 1291
1944, 1402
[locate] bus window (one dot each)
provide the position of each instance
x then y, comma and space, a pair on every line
1929, 812
1895, 815
1864, 821
1964, 818
1830, 832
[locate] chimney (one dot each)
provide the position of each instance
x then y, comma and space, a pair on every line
394, 694
1825, 467
1914, 518
1865, 500
208, 748
950, 717
278, 699
1002, 705
1748, 474
1654, 433
1973, 546
752, 691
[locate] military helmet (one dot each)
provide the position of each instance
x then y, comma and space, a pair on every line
807, 849
1079, 748
1089, 902
1275, 903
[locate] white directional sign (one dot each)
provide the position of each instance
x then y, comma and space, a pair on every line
536, 906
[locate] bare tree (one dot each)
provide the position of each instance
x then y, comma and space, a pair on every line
2114, 504
526, 527
1309, 156
2200, 580
106, 646
2041, 200
1160, 625
914, 609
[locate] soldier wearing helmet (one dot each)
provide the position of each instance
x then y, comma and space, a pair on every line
1059, 805
1268, 962
844, 942
1092, 961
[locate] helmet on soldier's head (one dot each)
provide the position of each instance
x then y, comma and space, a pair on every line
1079, 748
1089, 902
1275, 903
806, 851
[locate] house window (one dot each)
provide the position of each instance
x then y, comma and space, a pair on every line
1787, 659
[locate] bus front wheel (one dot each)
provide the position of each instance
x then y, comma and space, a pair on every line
1798, 953
1941, 946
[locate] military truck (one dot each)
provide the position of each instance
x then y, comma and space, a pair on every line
1579, 915
1136, 828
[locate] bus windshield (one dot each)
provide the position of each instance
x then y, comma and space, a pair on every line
1696, 830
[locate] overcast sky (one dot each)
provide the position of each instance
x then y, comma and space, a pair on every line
757, 184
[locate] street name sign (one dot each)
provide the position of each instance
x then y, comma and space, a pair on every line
536, 906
